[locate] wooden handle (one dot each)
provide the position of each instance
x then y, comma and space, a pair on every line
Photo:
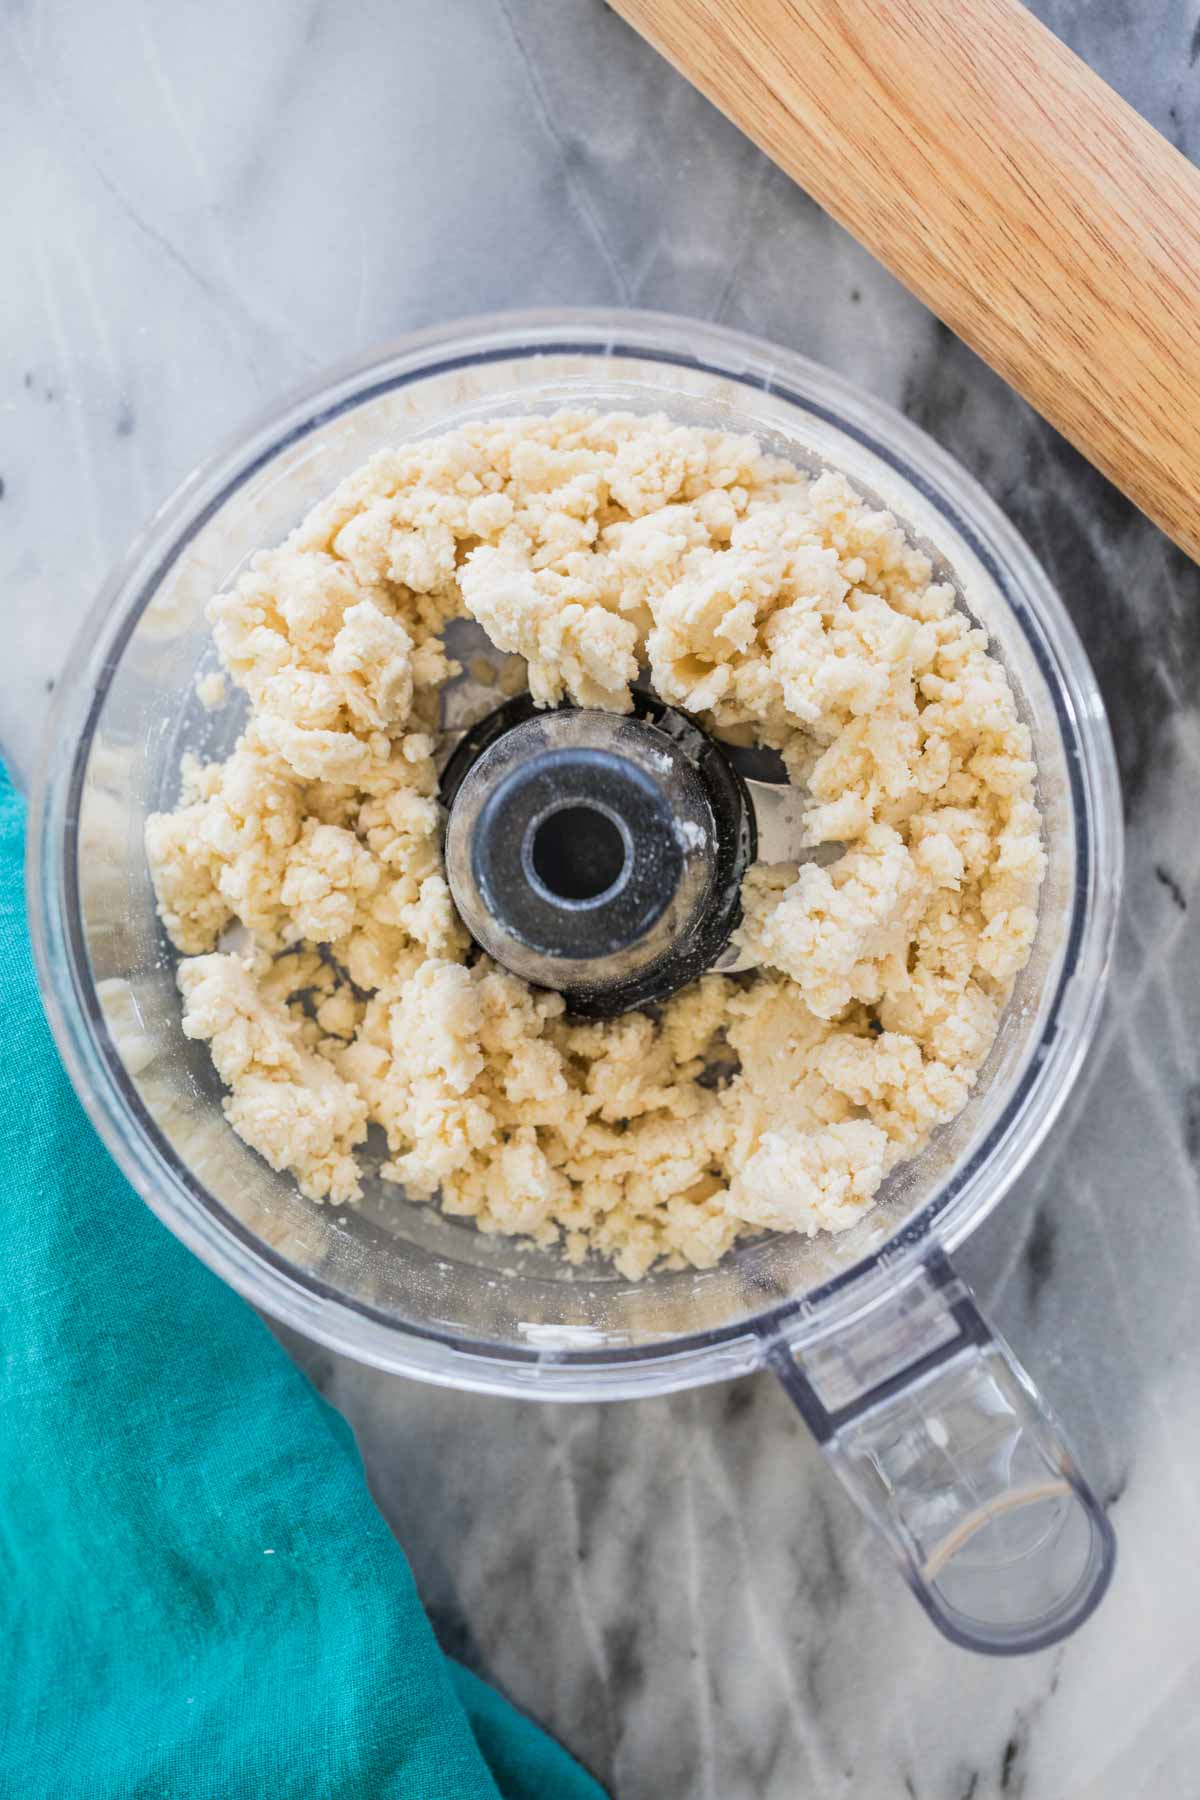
1006, 185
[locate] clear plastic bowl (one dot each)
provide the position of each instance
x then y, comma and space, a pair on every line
398, 1285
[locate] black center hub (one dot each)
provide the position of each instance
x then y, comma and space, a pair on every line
575, 850
597, 853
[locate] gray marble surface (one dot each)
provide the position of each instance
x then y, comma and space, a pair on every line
205, 204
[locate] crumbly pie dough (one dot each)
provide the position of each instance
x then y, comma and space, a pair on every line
781, 609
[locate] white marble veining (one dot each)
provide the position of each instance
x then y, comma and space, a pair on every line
206, 204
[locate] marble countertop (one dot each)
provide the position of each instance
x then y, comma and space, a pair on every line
206, 205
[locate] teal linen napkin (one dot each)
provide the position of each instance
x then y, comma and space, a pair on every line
197, 1597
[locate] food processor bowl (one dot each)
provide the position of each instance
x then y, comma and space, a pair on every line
923, 1412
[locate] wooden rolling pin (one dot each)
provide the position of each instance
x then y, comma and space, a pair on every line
1005, 184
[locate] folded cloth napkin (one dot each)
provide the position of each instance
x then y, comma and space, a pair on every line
197, 1597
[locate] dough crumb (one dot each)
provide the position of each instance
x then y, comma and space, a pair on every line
786, 610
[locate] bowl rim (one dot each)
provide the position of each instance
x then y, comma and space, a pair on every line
301, 1300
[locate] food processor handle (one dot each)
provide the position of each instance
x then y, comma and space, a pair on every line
1004, 183
952, 1454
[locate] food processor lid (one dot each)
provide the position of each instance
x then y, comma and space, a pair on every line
597, 853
